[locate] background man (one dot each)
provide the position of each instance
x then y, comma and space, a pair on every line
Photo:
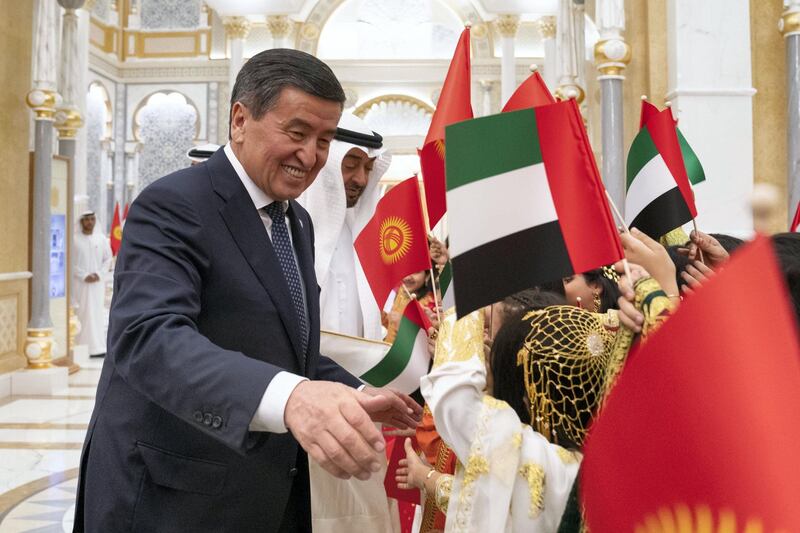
341, 201
92, 263
214, 334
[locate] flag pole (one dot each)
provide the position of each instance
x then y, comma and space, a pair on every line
625, 227
434, 283
702, 259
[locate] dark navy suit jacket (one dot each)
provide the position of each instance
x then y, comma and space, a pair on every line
201, 321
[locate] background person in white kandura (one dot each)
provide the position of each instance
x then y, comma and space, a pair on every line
92, 257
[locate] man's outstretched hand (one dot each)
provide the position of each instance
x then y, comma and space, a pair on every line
334, 424
391, 407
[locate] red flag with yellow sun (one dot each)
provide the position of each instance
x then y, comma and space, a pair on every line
394, 243
116, 231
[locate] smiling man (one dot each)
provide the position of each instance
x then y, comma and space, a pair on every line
213, 388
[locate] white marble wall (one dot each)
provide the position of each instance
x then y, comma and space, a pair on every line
167, 130
710, 85
170, 14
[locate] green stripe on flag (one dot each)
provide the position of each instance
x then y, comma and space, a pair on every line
642, 151
693, 167
445, 277
397, 357
492, 145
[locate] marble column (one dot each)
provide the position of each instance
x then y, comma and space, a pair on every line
237, 30
507, 25
43, 100
68, 121
279, 26
711, 89
611, 55
568, 72
547, 30
789, 26
486, 100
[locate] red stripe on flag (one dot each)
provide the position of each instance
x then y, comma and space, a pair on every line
455, 105
796, 221
648, 112
662, 130
586, 222
704, 414
417, 316
532, 92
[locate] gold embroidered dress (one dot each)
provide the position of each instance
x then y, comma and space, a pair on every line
510, 478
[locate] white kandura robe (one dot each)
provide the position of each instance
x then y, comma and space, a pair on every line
91, 255
347, 306
509, 479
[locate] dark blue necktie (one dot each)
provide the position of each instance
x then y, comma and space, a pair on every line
283, 247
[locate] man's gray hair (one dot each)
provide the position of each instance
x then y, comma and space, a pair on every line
263, 77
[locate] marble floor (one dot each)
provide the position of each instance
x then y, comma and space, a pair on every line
40, 446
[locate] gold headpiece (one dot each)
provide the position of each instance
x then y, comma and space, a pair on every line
610, 273
566, 356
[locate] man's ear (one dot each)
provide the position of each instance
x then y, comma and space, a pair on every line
239, 116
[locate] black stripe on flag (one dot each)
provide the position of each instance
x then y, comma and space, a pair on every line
663, 214
500, 268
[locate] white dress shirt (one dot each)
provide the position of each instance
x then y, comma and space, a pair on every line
269, 415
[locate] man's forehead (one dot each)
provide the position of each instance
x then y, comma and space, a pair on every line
358, 153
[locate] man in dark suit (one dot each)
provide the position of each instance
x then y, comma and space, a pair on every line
214, 334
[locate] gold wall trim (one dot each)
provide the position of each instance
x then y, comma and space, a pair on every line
41, 425
41, 445
14, 497
110, 40
13, 318
201, 43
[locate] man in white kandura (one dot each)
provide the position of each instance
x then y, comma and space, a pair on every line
92, 257
341, 201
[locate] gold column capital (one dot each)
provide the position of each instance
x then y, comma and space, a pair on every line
789, 23
236, 27
43, 102
611, 56
507, 25
547, 27
39, 347
279, 26
565, 92
68, 122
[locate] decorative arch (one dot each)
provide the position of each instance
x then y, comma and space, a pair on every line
166, 123
310, 31
144, 101
98, 90
396, 114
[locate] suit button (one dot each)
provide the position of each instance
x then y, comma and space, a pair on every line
198, 416
216, 422
293, 471
207, 419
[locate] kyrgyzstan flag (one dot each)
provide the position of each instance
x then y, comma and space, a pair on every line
125, 212
116, 231
796, 219
700, 432
525, 203
532, 92
394, 244
659, 195
454, 105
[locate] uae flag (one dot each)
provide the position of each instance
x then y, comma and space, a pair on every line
408, 358
455, 105
532, 92
700, 431
525, 203
394, 242
659, 196
694, 170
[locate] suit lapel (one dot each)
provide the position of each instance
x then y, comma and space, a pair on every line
247, 230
